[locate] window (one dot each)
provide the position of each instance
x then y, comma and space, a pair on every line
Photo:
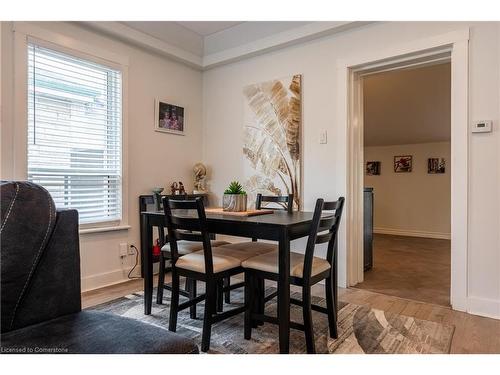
74, 133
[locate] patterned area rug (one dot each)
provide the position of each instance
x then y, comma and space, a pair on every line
361, 329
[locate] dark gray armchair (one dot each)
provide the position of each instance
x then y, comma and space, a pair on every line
40, 286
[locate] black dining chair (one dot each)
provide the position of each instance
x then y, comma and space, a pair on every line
186, 221
305, 271
254, 248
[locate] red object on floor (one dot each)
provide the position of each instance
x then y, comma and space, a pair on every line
156, 248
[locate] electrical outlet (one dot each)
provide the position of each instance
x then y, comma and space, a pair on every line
123, 250
131, 250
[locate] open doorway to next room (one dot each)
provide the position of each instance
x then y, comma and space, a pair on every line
407, 183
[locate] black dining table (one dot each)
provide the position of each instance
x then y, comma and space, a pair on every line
279, 226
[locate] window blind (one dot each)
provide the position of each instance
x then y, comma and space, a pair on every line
74, 132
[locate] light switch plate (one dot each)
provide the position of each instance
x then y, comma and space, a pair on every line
323, 137
482, 126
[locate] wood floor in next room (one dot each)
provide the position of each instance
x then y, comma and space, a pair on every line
410, 267
473, 334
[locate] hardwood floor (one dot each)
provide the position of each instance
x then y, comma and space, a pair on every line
473, 334
410, 267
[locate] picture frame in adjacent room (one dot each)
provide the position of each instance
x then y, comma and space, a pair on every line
169, 118
436, 165
372, 168
403, 163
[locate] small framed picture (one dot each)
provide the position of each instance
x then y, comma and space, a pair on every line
372, 168
403, 163
169, 118
436, 165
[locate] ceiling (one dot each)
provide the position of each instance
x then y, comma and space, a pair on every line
407, 106
205, 28
207, 44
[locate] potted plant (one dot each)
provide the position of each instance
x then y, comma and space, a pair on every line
235, 198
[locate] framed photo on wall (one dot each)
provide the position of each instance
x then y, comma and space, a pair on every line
372, 168
169, 118
403, 163
436, 165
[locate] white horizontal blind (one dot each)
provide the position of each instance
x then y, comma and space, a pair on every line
74, 132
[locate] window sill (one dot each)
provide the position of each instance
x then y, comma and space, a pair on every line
104, 229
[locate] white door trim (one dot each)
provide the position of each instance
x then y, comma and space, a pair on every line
349, 113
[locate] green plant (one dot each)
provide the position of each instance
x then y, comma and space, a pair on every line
235, 188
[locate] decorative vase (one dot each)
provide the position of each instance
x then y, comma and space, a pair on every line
234, 202
157, 198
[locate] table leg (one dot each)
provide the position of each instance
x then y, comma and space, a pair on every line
147, 266
284, 291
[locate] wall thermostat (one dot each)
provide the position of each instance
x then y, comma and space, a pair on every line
482, 126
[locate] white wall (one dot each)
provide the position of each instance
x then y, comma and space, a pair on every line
154, 159
317, 60
415, 203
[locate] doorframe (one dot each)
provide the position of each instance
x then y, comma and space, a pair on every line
350, 113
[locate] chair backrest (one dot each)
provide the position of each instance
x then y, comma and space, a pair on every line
284, 202
186, 220
40, 257
324, 228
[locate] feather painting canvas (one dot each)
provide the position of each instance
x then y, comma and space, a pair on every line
272, 138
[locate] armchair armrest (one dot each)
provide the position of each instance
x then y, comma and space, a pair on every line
55, 287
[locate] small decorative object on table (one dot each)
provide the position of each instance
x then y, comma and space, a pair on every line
235, 198
182, 191
174, 188
157, 197
200, 173
177, 188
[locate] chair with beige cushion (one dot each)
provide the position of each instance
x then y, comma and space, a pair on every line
305, 271
184, 247
254, 248
186, 220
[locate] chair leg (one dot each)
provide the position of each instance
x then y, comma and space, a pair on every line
161, 281
210, 297
249, 297
254, 306
261, 295
192, 295
331, 306
220, 296
227, 293
307, 315
174, 306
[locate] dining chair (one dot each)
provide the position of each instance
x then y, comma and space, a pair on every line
305, 271
186, 220
253, 248
184, 247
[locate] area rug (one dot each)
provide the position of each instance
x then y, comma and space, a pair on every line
361, 329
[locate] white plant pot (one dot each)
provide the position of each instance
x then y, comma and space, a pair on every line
234, 202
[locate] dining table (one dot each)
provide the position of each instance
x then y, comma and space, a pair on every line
279, 226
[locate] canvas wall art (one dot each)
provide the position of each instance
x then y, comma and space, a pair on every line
373, 168
272, 138
436, 165
403, 163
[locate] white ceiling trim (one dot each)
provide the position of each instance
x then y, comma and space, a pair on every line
144, 40
263, 45
286, 38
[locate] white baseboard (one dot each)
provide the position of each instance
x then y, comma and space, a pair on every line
412, 233
489, 308
102, 280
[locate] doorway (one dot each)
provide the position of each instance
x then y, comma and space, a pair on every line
454, 47
407, 184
